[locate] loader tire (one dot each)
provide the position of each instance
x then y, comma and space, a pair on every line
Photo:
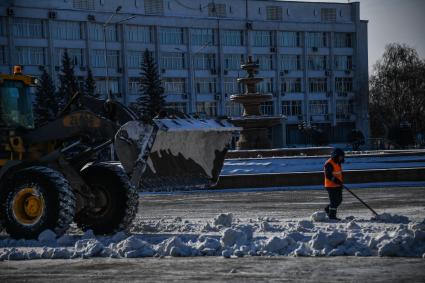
116, 200
35, 199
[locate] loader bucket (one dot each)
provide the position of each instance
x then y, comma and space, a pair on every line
173, 153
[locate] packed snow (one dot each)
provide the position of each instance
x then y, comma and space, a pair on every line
309, 164
228, 236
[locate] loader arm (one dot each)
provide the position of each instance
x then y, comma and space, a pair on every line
74, 125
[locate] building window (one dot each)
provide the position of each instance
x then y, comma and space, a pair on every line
202, 36
216, 10
231, 86
204, 61
343, 63
318, 84
133, 86
266, 86
291, 85
103, 89
317, 62
205, 86
173, 61
290, 62
292, 108
233, 109
233, 61
171, 36
344, 108
318, 107
29, 28
328, 14
83, 4
233, 38
343, 85
98, 58
139, 34
207, 108
30, 55
3, 55
343, 40
289, 39
75, 54
174, 85
317, 39
265, 61
134, 59
67, 30
96, 32
274, 13
262, 38
154, 7
266, 108
177, 106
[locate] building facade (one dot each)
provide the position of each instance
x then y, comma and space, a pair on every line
313, 56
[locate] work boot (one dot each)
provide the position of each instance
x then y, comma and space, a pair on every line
327, 210
332, 214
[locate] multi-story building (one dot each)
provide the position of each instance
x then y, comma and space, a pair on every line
313, 56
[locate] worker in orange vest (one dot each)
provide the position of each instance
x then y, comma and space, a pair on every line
334, 181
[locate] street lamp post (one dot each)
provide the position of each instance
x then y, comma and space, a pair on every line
105, 25
109, 104
192, 67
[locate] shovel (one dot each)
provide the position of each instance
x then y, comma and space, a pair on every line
365, 204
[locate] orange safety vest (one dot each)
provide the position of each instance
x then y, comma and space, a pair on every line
337, 172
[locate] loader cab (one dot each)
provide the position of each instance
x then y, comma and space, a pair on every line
15, 100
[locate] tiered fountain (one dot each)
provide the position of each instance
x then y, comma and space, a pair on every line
254, 134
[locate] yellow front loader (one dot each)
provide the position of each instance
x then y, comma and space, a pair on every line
51, 175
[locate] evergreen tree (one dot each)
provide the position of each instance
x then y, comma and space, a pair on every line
68, 82
152, 98
46, 100
90, 85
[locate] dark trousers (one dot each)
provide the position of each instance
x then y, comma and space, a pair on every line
335, 197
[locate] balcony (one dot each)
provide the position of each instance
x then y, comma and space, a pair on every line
320, 118
345, 117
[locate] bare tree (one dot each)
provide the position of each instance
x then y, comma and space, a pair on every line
397, 94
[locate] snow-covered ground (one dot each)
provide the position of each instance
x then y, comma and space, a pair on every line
228, 237
257, 224
308, 164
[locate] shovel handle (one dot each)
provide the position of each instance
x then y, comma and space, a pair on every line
365, 204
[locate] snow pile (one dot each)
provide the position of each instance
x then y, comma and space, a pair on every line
132, 247
232, 237
176, 246
304, 225
277, 245
47, 236
390, 218
352, 225
207, 245
224, 219
319, 216
228, 239
87, 248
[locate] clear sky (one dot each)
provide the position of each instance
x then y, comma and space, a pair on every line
392, 21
